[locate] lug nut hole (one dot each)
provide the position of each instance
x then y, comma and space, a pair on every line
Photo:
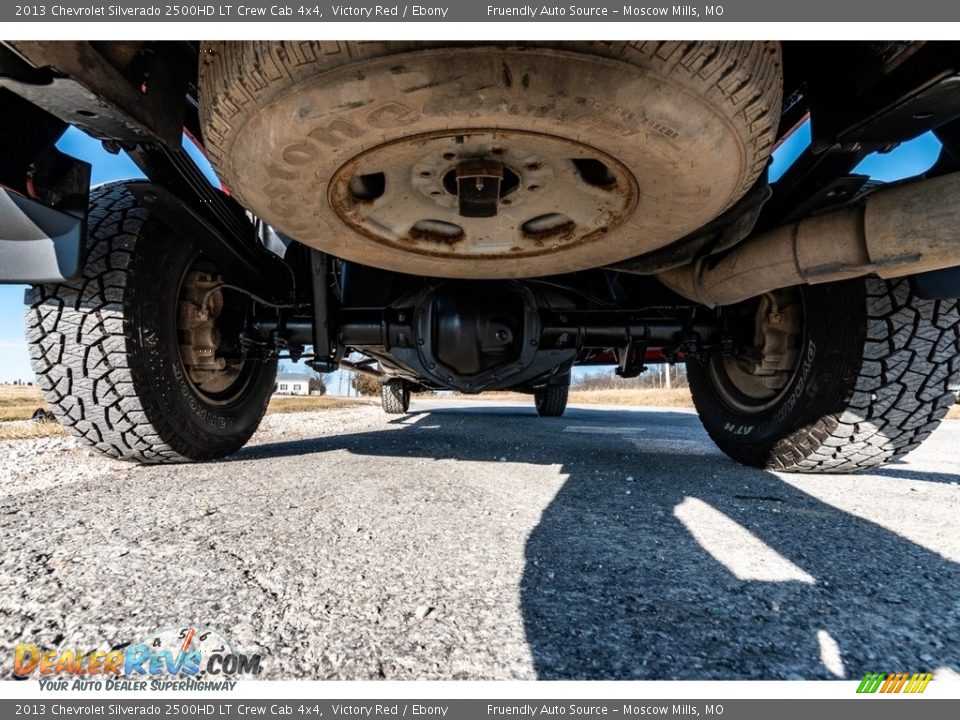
593, 172
437, 231
547, 225
368, 187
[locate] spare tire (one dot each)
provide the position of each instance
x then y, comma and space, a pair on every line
594, 151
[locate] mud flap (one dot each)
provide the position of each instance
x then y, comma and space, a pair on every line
38, 244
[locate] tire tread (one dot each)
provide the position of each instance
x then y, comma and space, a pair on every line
395, 398
906, 382
83, 347
551, 400
916, 344
237, 78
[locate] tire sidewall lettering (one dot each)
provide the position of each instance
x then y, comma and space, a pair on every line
799, 390
323, 137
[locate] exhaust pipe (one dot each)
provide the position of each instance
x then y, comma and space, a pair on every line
362, 369
900, 231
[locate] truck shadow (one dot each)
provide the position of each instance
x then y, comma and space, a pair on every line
642, 578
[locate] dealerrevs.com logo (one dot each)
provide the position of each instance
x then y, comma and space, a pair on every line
182, 658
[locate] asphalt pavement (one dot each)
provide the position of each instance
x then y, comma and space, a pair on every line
475, 540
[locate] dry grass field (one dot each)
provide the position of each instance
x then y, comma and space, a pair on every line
677, 397
30, 430
648, 397
299, 403
18, 403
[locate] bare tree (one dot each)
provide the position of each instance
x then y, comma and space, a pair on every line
365, 385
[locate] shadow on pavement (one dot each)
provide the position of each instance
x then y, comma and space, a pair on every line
900, 473
621, 582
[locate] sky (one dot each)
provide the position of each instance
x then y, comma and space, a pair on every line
908, 159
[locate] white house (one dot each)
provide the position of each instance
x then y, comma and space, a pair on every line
292, 384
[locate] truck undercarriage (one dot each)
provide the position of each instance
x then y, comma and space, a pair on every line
471, 240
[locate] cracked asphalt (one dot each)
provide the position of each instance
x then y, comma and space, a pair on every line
474, 540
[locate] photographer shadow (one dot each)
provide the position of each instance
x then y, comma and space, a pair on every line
659, 558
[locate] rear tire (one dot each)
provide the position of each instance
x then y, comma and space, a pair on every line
106, 347
551, 400
395, 396
878, 370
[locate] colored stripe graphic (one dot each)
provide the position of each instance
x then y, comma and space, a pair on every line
894, 683
898, 680
870, 683
918, 683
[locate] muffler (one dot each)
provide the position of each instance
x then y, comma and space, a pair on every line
899, 231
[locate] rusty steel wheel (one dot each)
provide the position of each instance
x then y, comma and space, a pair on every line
489, 160
482, 195
203, 313
754, 376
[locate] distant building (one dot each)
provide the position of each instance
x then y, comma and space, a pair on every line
293, 384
